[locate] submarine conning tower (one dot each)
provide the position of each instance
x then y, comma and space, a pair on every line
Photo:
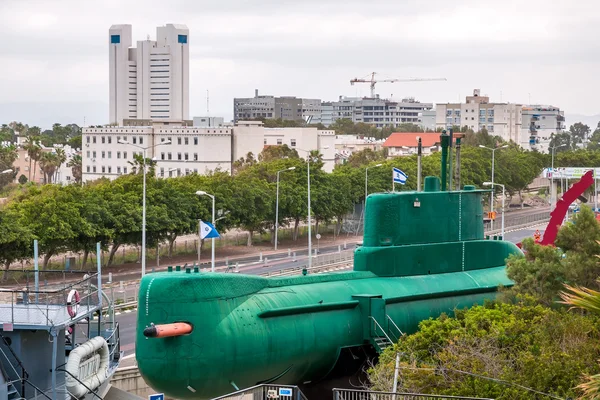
430, 232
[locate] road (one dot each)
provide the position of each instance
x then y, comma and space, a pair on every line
127, 320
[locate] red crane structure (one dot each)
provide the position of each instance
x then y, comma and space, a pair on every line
562, 206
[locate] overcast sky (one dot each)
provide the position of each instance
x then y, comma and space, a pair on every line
54, 54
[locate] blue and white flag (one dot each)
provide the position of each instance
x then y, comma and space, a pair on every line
208, 231
399, 176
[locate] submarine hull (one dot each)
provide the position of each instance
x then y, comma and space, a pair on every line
249, 330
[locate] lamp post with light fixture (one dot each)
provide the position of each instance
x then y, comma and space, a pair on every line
121, 141
493, 150
503, 196
309, 221
277, 203
212, 240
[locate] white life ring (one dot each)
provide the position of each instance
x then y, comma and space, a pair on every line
73, 303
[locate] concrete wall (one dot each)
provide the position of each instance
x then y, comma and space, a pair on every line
130, 380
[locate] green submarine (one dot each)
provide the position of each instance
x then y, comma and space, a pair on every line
201, 335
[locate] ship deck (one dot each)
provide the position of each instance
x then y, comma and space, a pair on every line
40, 316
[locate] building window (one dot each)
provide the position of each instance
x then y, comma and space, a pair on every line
162, 172
195, 140
124, 170
88, 168
118, 138
179, 156
124, 155
279, 141
169, 157
109, 169
162, 156
116, 39
103, 169
102, 139
88, 140
185, 156
109, 140
178, 140
293, 142
118, 170
110, 154
134, 140
195, 170
94, 169
93, 154
181, 39
195, 156
88, 154
94, 139
170, 140
103, 154
141, 140
265, 141
118, 154
185, 141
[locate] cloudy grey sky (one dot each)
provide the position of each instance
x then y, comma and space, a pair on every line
54, 53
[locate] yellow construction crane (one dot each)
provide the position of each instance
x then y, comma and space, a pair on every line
372, 81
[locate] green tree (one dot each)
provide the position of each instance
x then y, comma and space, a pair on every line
50, 162
562, 142
22, 179
500, 351
579, 133
271, 153
53, 214
15, 240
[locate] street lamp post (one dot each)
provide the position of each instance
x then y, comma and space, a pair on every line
121, 141
367, 180
552, 174
212, 240
493, 162
277, 203
503, 197
309, 221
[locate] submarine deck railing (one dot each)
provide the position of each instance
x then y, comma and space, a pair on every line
353, 394
264, 391
376, 325
389, 319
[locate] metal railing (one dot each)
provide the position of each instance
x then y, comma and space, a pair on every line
352, 394
376, 325
389, 319
283, 392
48, 305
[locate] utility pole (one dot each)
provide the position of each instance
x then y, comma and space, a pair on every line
419, 171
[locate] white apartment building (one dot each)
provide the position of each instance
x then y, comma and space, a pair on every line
500, 119
150, 81
540, 122
374, 111
183, 150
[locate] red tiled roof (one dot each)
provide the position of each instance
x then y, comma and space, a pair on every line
409, 139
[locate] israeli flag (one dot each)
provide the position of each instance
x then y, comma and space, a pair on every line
208, 231
399, 176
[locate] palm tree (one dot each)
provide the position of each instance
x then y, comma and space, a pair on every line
589, 300
50, 162
137, 165
75, 165
33, 151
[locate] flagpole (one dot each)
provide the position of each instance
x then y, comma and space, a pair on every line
393, 181
199, 240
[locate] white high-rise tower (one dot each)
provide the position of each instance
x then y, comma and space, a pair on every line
152, 80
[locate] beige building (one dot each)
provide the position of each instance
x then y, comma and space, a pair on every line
345, 145
21, 165
182, 150
500, 119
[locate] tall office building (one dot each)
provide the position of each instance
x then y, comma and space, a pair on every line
150, 81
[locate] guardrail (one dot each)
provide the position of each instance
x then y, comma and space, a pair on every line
352, 394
